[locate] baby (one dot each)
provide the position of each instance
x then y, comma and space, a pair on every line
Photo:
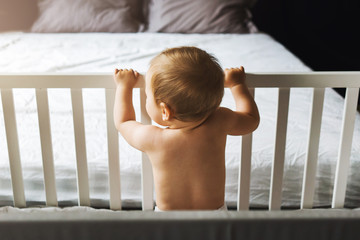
184, 88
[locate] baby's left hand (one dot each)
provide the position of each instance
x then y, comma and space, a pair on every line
234, 76
126, 78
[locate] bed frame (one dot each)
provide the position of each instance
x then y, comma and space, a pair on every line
283, 81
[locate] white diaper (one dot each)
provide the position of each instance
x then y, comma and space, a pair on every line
222, 208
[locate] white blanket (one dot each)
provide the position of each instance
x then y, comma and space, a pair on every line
102, 52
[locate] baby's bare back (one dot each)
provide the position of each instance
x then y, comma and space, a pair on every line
189, 168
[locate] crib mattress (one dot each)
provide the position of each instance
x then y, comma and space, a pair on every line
102, 52
88, 223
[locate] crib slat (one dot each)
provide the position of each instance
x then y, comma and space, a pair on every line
308, 187
146, 170
279, 151
113, 153
345, 147
13, 147
244, 173
46, 146
245, 170
81, 160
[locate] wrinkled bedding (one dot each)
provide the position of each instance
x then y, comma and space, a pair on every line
102, 52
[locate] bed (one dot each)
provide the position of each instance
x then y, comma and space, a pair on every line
61, 58
261, 55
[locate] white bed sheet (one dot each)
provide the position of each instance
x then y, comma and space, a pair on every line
102, 52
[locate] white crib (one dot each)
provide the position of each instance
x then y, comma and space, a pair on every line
84, 222
41, 82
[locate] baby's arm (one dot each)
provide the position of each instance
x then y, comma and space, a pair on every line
245, 119
125, 81
136, 134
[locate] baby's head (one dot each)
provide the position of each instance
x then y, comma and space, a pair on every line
188, 81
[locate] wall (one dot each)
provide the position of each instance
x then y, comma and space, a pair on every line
17, 15
322, 33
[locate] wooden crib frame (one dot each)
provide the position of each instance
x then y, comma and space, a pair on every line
76, 81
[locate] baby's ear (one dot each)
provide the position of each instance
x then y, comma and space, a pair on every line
165, 111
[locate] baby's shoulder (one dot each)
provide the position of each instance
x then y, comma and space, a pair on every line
217, 117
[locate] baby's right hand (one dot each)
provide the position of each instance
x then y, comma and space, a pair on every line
234, 76
126, 78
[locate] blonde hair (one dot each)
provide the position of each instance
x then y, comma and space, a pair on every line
190, 82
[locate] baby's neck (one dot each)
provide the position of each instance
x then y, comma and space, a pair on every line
185, 126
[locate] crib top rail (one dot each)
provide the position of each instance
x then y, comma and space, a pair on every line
105, 80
